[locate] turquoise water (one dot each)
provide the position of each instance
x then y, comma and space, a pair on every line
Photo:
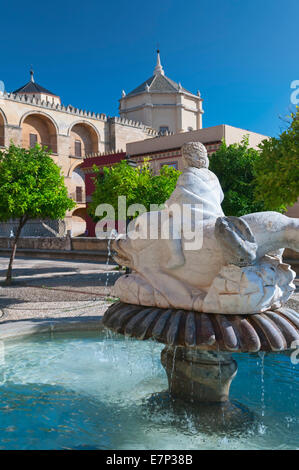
100, 391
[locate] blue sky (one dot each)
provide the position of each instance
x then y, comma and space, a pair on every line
242, 55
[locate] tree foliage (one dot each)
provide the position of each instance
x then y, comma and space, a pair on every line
31, 186
234, 166
277, 169
140, 185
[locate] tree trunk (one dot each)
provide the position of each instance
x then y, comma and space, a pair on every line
22, 222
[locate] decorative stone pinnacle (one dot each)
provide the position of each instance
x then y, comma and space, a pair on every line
32, 75
158, 69
123, 93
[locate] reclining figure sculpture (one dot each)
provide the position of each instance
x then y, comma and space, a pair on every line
205, 285
234, 266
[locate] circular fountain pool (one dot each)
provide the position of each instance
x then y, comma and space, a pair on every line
95, 390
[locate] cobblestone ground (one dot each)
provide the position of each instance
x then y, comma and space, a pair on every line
62, 288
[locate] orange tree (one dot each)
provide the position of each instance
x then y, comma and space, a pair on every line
31, 187
234, 165
139, 184
276, 182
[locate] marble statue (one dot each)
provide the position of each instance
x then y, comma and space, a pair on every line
236, 269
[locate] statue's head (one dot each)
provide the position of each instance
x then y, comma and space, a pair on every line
195, 154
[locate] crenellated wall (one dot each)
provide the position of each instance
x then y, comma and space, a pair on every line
71, 134
123, 131
111, 132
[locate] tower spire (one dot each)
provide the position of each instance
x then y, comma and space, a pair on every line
31, 75
158, 69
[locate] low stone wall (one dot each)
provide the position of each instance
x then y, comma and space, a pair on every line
89, 244
58, 247
37, 243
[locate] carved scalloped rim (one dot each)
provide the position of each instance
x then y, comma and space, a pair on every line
274, 330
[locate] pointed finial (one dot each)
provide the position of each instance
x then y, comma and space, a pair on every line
158, 69
147, 87
198, 93
123, 93
32, 75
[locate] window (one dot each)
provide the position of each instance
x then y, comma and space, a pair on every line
163, 129
79, 194
78, 148
32, 140
173, 164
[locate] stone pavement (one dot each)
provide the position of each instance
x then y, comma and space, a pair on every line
55, 288
62, 288
42, 310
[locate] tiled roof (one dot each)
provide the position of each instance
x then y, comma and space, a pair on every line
158, 83
32, 87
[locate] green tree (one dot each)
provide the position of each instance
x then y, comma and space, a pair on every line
31, 187
234, 166
140, 186
277, 169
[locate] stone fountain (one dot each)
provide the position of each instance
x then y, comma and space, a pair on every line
205, 297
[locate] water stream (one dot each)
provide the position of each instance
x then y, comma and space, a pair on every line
112, 236
262, 366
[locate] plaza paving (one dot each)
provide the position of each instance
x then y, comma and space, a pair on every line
62, 288
55, 288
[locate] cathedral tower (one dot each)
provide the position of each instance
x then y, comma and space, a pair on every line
162, 104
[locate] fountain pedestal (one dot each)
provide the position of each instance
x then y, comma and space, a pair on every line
198, 376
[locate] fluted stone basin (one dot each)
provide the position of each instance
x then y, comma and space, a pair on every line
197, 356
269, 331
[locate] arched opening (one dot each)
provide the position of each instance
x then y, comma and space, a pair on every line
78, 186
79, 222
84, 140
38, 129
1, 131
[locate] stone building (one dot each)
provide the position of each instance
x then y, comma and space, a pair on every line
163, 104
32, 114
156, 118
166, 150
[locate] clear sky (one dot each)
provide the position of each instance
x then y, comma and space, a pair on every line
241, 54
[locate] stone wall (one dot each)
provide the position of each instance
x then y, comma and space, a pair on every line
83, 248
123, 131
37, 243
57, 243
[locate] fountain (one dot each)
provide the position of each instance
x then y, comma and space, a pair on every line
220, 293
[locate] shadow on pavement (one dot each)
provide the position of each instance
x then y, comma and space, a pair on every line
77, 280
29, 271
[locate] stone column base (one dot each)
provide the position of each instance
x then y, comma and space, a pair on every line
198, 376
